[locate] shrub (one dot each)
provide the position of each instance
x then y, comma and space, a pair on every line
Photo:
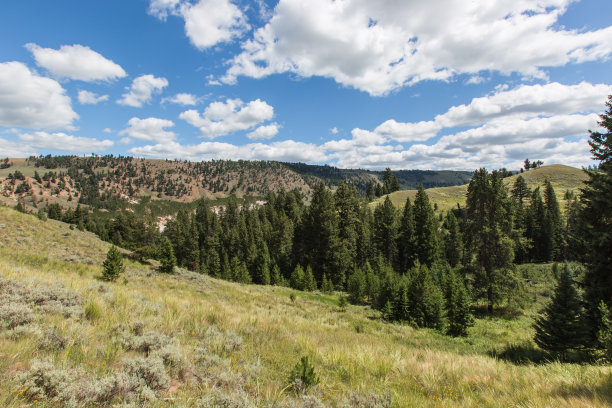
52, 339
217, 399
367, 401
174, 360
15, 314
303, 375
44, 380
150, 370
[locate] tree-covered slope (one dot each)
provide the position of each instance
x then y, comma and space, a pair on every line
191, 340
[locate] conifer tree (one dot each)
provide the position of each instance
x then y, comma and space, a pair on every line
401, 311
326, 285
112, 265
425, 237
453, 241
560, 327
406, 238
488, 236
310, 282
276, 278
385, 230
297, 278
356, 286
597, 219
457, 305
166, 256
554, 224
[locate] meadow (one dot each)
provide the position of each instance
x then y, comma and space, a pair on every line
188, 340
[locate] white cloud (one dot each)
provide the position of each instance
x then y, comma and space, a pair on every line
107, 130
381, 46
142, 90
541, 121
222, 118
64, 142
287, 150
207, 22
31, 101
264, 132
14, 150
76, 62
334, 130
86, 97
161, 8
151, 129
184, 99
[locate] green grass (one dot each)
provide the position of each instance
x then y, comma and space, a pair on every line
352, 351
562, 178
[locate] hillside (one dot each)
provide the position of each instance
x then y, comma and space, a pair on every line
562, 178
102, 181
197, 342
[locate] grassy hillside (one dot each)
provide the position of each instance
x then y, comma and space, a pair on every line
193, 340
562, 177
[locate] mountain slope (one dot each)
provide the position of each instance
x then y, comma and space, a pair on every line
193, 339
562, 178
101, 181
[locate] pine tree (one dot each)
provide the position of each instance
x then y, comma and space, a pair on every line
401, 311
166, 256
297, 278
356, 286
406, 238
457, 305
310, 283
385, 230
597, 219
276, 278
560, 327
554, 224
425, 237
326, 285
488, 236
112, 265
453, 241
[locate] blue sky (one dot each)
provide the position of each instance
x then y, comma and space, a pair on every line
352, 83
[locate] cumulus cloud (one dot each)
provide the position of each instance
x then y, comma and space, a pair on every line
264, 132
90, 98
207, 22
381, 46
222, 118
151, 129
14, 149
142, 90
505, 126
76, 62
64, 142
287, 150
32, 101
184, 99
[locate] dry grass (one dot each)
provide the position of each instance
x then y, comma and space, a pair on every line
240, 342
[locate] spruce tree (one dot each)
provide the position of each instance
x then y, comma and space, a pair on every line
554, 223
297, 278
560, 326
310, 283
597, 220
401, 311
425, 237
166, 256
385, 230
112, 265
406, 238
453, 241
457, 305
356, 286
488, 236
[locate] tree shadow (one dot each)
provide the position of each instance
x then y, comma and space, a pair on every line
521, 354
601, 391
527, 353
501, 312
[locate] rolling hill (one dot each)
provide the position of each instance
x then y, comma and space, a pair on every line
102, 180
562, 178
188, 340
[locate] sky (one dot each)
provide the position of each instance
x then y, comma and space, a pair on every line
405, 84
